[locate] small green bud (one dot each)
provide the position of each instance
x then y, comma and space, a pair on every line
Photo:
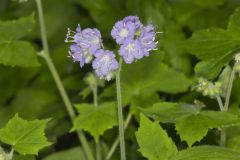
208, 88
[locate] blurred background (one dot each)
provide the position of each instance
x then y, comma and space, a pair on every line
32, 93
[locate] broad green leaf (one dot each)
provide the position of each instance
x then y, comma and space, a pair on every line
215, 47
20, 157
153, 140
70, 154
95, 120
26, 137
206, 153
18, 53
150, 75
16, 29
194, 127
170, 112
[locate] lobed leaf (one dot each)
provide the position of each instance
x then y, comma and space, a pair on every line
215, 47
153, 140
95, 120
26, 137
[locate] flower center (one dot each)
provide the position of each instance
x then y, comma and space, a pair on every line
105, 59
130, 47
95, 40
123, 33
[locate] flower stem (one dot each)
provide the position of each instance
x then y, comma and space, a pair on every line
229, 89
45, 54
95, 101
116, 142
220, 103
226, 105
120, 112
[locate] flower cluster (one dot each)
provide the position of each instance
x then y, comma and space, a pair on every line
135, 40
208, 88
87, 45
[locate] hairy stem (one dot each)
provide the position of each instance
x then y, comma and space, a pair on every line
116, 142
220, 103
226, 105
45, 54
95, 101
120, 112
229, 89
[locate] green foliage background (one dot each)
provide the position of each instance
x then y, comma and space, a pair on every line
27, 87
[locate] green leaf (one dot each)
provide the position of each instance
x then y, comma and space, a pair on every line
137, 79
26, 137
16, 29
20, 157
194, 127
96, 120
206, 153
70, 154
153, 140
215, 47
18, 53
170, 112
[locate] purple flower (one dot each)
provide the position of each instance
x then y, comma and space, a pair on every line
80, 55
131, 50
123, 30
105, 64
135, 40
87, 39
135, 20
148, 38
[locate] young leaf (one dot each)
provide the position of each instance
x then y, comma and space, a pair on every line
206, 153
153, 140
194, 127
26, 137
95, 120
215, 47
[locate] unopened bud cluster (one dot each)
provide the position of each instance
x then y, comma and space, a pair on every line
208, 88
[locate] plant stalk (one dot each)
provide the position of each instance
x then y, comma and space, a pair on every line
116, 142
120, 112
95, 101
56, 77
226, 105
